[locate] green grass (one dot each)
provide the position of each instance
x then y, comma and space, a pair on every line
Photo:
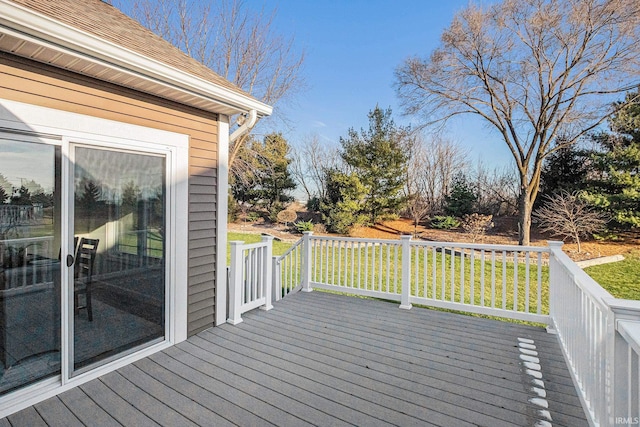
278, 247
621, 279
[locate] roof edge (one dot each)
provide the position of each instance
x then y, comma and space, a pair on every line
56, 34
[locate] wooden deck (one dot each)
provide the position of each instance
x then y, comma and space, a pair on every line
324, 359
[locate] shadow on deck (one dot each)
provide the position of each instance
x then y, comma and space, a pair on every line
325, 359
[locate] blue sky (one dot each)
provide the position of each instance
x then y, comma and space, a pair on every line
353, 48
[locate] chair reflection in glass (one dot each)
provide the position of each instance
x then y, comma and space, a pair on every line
83, 274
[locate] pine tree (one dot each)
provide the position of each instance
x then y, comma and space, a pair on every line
616, 190
378, 156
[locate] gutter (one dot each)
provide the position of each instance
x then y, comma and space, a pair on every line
247, 122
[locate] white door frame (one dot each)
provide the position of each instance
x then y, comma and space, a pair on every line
69, 128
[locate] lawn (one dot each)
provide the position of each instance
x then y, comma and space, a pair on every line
622, 278
279, 247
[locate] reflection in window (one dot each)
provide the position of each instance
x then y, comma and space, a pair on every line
29, 266
120, 203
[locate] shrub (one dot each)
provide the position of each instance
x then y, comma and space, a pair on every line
303, 226
476, 225
286, 216
319, 228
444, 222
253, 216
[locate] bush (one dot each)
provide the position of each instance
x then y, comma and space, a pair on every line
319, 229
303, 226
286, 216
253, 216
476, 225
444, 222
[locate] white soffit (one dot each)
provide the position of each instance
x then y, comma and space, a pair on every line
28, 34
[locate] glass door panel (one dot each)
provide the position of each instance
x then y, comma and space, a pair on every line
30, 183
119, 272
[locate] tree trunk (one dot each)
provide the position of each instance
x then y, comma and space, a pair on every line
524, 219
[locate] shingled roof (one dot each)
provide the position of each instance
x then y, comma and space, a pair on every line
97, 19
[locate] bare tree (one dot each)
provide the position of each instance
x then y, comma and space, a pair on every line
534, 70
311, 159
564, 214
433, 162
497, 190
239, 43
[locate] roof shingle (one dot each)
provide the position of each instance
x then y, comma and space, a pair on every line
100, 19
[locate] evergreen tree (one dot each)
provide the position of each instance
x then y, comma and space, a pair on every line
378, 156
461, 199
566, 169
616, 189
269, 181
341, 207
276, 181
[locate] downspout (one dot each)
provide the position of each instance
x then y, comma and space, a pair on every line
246, 122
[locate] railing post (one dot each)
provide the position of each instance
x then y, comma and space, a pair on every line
554, 282
235, 282
268, 273
306, 261
405, 284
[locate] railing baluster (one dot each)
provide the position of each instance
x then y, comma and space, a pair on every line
493, 279
504, 280
515, 280
472, 278
461, 275
482, 260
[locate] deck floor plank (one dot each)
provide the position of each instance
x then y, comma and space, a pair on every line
28, 417
146, 403
180, 381
324, 359
115, 405
56, 414
85, 409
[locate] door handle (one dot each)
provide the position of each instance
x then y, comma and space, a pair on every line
70, 260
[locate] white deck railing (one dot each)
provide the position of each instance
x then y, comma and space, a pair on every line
506, 281
250, 278
600, 338
599, 335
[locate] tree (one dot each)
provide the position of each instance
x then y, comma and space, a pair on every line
565, 169
236, 41
310, 161
344, 197
461, 199
270, 181
534, 70
378, 157
616, 188
565, 214
431, 167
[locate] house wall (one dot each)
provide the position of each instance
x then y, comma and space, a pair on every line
35, 83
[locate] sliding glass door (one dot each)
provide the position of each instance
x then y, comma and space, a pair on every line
30, 206
83, 265
119, 219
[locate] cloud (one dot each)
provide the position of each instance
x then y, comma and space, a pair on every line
318, 124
